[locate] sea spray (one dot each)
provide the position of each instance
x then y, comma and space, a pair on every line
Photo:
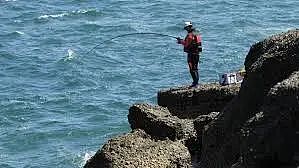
71, 55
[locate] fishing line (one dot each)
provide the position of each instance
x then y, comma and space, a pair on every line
129, 34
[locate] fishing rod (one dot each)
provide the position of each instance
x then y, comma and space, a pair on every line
129, 34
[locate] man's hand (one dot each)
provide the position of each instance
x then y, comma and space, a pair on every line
179, 40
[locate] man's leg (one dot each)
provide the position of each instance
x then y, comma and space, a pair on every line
193, 69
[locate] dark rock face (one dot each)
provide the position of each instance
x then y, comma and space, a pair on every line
267, 63
269, 137
191, 103
203, 120
158, 121
138, 149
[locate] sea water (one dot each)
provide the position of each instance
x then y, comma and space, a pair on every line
59, 103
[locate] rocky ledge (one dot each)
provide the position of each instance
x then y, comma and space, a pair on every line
251, 125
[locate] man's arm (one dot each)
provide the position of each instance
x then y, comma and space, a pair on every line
187, 40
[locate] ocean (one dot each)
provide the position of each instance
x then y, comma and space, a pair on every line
60, 102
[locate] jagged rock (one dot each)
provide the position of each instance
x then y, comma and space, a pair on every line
267, 63
159, 122
203, 120
191, 103
138, 149
269, 138
199, 125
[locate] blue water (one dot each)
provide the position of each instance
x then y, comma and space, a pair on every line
59, 105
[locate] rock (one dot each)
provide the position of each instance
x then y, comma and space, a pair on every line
203, 120
160, 123
267, 63
269, 137
138, 149
191, 103
199, 125
255, 125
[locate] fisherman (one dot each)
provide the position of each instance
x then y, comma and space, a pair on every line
192, 46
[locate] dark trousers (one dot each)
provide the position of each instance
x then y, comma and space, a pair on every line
192, 60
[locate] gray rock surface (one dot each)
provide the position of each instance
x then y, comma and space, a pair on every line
138, 149
159, 122
267, 63
186, 102
203, 120
153, 126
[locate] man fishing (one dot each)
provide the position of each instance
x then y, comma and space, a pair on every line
192, 46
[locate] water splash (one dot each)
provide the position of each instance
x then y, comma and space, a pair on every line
71, 55
86, 157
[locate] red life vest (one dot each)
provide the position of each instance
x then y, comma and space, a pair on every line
194, 46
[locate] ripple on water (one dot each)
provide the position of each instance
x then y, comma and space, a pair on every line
59, 103
81, 12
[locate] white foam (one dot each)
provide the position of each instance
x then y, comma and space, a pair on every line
64, 14
81, 11
17, 21
92, 22
86, 157
19, 32
52, 16
71, 55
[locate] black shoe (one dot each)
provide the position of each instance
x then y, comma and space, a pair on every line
193, 85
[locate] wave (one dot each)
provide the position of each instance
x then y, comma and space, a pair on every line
88, 12
5, 54
19, 32
52, 16
86, 157
5, 165
12, 34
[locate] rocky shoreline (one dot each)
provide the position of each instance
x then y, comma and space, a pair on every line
251, 125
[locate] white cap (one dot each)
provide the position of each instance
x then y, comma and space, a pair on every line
189, 23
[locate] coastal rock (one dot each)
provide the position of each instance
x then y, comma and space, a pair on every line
270, 138
267, 63
252, 126
160, 123
203, 120
199, 125
153, 126
186, 102
138, 149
